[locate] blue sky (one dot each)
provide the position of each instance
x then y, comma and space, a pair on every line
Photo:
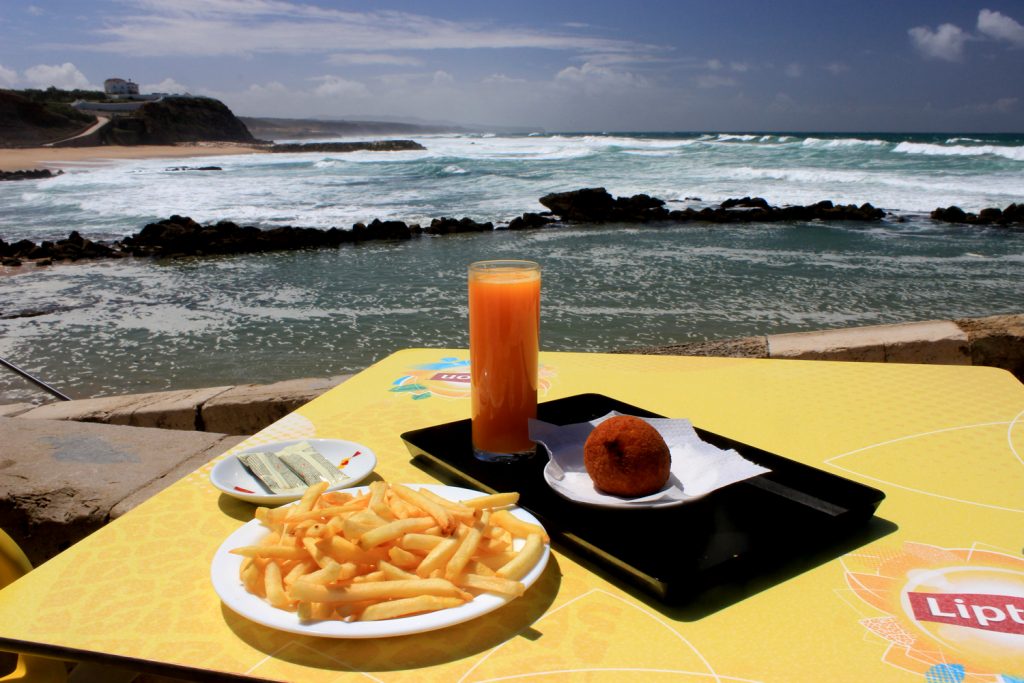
594, 65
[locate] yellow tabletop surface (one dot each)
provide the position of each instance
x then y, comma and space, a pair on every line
937, 594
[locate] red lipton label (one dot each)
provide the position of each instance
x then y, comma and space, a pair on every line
462, 377
1003, 613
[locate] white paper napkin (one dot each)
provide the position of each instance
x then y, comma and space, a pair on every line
698, 468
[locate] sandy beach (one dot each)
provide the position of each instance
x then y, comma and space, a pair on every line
63, 157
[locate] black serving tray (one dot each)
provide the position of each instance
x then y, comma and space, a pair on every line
678, 552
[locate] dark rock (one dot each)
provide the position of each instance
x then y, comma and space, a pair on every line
595, 205
21, 248
990, 215
449, 226
388, 230
1011, 215
194, 168
10, 261
370, 146
746, 202
31, 174
44, 262
953, 214
529, 221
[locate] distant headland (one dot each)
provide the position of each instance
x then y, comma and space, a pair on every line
120, 116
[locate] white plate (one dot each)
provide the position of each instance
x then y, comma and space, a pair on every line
597, 499
230, 475
225, 568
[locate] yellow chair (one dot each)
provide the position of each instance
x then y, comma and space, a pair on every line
14, 564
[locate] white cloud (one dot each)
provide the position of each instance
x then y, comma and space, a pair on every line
35, 11
1000, 27
241, 27
8, 77
272, 89
1004, 105
716, 64
794, 70
365, 58
599, 79
836, 68
336, 86
946, 42
502, 79
64, 75
168, 85
715, 81
443, 78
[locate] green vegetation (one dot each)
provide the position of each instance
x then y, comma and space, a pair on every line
56, 95
27, 122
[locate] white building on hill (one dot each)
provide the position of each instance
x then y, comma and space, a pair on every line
118, 87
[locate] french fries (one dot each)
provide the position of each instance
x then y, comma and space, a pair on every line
391, 552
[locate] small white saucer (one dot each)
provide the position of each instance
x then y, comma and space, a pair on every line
354, 460
578, 487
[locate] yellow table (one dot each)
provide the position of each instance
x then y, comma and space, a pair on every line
938, 595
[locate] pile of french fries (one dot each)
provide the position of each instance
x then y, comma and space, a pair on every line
390, 552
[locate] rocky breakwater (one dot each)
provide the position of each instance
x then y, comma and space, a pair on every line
182, 236
1011, 216
596, 205
29, 174
74, 248
345, 147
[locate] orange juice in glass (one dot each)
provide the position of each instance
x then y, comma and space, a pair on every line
504, 344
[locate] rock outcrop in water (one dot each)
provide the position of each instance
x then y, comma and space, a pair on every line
370, 146
74, 248
182, 236
595, 205
1011, 215
29, 174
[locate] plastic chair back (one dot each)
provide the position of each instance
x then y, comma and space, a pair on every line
13, 565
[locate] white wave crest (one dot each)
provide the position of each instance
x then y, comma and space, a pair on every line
1013, 153
842, 142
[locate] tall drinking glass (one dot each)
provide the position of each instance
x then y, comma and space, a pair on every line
504, 344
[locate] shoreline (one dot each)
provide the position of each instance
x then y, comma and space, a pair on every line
63, 158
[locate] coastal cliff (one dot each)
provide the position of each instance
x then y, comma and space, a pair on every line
178, 119
32, 118
25, 122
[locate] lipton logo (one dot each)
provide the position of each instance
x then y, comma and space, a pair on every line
1003, 613
462, 377
950, 614
449, 377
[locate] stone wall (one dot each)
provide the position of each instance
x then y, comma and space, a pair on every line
994, 341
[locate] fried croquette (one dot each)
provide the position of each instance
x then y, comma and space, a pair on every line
626, 456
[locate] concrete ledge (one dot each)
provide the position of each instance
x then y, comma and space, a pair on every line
164, 409
15, 409
997, 340
935, 341
61, 480
248, 408
994, 341
243, 409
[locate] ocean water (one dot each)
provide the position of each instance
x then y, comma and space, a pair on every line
128, 326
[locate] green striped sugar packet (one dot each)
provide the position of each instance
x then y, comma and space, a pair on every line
310, 465
269, 469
